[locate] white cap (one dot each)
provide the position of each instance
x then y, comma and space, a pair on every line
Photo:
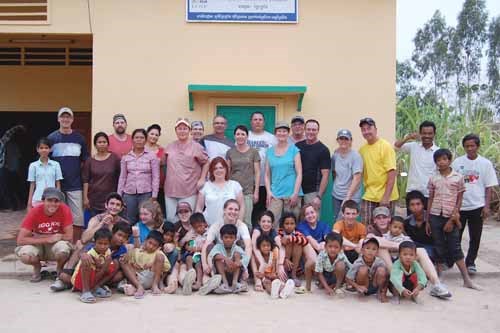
65, 110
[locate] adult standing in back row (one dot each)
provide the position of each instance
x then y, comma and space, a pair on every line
422, 165
379, 172
260, 140
217, 144
70, 150
120, 143
315, 157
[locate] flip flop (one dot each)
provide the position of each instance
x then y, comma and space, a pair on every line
138, 295
300, 290
87, 297
102, 292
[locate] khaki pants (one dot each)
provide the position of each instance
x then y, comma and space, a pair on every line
248, 200
74, 200
45, 252
279, 206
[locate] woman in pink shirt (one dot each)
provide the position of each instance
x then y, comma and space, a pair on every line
187, 169
139, 176
153, 135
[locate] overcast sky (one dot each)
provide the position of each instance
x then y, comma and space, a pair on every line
412, 14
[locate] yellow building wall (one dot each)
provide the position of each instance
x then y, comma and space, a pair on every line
145, 55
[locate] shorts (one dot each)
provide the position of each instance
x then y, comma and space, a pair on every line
330, 278
410, 282
45, 252
446, 244
372, 290
78, 285
146, 278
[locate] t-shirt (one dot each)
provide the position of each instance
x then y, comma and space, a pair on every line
116, 253
39, 223
422, 166
220, 249
398, 271
179, 229
283, 174
43, 175
417, 234
213, 233
315, 157
242, 167
184, 164
354, 235
345, 167
318, 233
325, 264
360, 262
378, 159
261, 142
216, 196
101, 258
215, 146
446, 190
119, 147
478, 175
143, 233
102, 177
141, 258
70, 151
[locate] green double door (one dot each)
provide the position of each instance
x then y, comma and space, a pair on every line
240, 115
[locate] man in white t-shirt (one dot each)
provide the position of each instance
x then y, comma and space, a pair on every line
480, 177
261, 140
422, 164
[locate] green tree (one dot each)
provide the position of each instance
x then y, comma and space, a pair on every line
468, 41
431, 55
494, 63
405, 74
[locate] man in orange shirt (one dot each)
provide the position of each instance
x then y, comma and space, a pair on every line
351, 230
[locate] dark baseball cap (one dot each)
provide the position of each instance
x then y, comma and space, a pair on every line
52, 193
296, 119
344, 133
367, 121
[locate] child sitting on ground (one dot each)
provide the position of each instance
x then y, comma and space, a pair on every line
171, 250
267, 272
151, 218
407, 276
332, 265
265, 227
149, 264
98, 268
368, 274
352, 231
191, 270
292, 243
396, 234
228, 260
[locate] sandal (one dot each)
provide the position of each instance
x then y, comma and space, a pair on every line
87, 297
102, 292
300, 290
258, 285
139, 294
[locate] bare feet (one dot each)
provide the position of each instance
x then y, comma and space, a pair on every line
472, 285
382, 296
171, 288
156, 291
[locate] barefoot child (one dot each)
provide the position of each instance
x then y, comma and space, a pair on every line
172, 252
42, 174
332, 265
368, 274
151, 218
407, 275
265, 227
149, 263
228, 260
191, 270
446, 190
292, 243
93, 270
396, 234
267, 272
352, 231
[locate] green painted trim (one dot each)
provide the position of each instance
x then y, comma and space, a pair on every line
191, 102
247, 89
300, 90
299, 102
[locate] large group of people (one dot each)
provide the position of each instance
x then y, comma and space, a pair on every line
208, 214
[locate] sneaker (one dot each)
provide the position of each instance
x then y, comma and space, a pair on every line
440, 290
472, 269
211, 285
223, 289
187, 283
275, 288
58, 285
288, 289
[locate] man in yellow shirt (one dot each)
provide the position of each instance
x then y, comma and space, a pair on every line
379, 171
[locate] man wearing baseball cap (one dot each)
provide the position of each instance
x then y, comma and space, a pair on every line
120, 143
46, 233
379, 171
298, 130
347, 169
70, 150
